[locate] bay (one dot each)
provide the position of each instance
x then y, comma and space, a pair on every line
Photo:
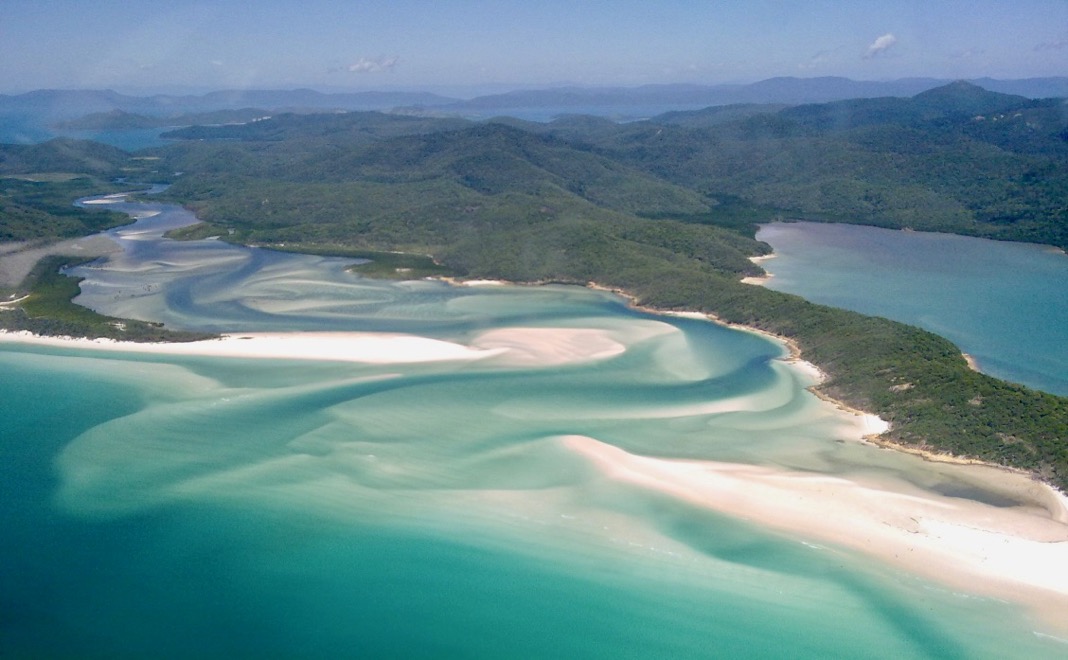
1004, 304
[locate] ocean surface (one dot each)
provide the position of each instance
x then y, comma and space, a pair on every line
18, 128
1005, 304
29, 128
162, 506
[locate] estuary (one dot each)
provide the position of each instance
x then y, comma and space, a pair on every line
475, 471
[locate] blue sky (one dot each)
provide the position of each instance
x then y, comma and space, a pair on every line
160, 46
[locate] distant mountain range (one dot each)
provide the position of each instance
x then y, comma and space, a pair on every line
59, 105
620, 102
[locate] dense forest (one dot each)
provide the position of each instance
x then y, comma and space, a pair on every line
666, 209
39, 183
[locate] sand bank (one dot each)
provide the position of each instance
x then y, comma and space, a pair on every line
549, 346
16, 264
1016, 554
116, 198
510, 346
12, 302
371, 348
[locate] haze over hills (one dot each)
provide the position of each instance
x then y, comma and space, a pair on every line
59, 105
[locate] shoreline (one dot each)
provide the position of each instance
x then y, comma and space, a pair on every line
759, 280
1003, 554
1013, 554
795, 358
960, 562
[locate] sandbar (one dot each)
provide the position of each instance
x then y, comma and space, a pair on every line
115, 198
370, 348
1016, 554
17, 262
509, 346
550, 346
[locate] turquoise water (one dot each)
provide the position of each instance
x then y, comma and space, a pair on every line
1005, 304
163, 506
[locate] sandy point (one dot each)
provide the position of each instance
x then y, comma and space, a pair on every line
1016, 554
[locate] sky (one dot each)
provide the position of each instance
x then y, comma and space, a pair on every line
457, 45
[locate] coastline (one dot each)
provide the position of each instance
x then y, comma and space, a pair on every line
794, 358
964, 545
759, 280
1013, 554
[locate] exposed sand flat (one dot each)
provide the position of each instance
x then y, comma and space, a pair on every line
16, 264
550, 346
115, 198
1015, 554
514, 346
13, 246
12, 302
371, 348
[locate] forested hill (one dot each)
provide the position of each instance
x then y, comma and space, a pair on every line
956, 159
63, 155
39, 182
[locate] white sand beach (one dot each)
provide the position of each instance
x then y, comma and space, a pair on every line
1014, 554
513, 346
371, 348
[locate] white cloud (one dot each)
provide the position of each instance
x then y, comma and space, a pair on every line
373, 64
880, 45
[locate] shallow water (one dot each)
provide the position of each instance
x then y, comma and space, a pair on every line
188, 507
1002, 303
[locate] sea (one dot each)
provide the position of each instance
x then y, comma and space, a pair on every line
1004, 304
27, 128
163, 506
